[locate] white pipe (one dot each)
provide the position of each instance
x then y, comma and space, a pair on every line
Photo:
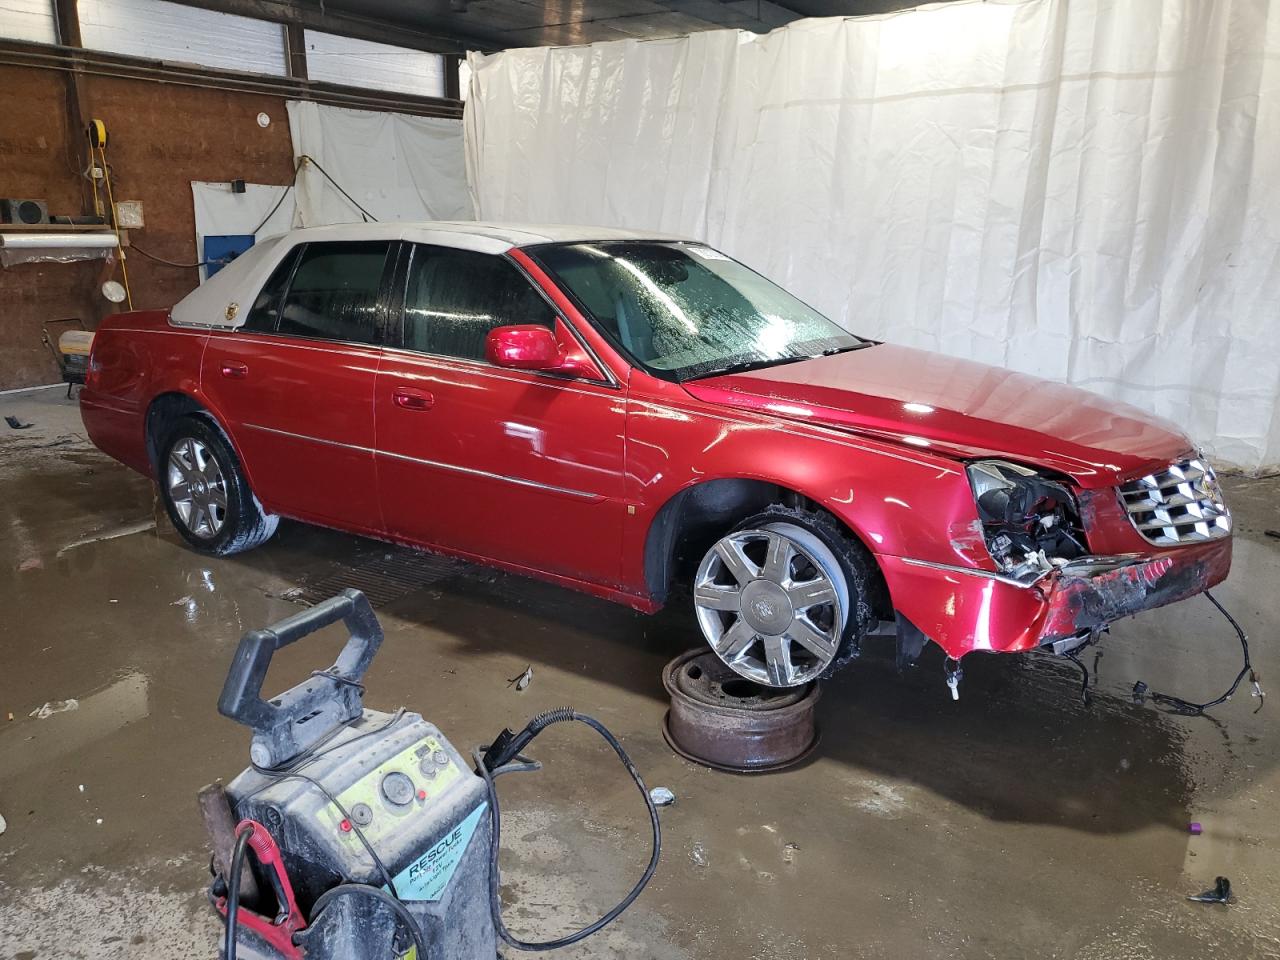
66, 241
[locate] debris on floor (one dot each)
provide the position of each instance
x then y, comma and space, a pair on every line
521, 682
1194, 829
1221, 893
1272, 533
60, 442
662, 797
698, 854
789, 852
54, 706
123, 531
16, 424
293, 595
3, 825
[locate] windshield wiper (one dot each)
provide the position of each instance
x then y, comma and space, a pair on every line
745, 366
862, 344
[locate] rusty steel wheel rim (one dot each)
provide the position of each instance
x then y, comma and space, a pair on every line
722, 720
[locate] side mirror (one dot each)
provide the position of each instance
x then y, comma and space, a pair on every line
532, 347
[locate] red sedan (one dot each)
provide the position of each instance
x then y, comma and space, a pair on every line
625, 415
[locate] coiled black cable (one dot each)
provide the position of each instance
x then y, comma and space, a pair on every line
535, 727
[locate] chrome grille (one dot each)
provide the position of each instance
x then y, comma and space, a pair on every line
1182, 504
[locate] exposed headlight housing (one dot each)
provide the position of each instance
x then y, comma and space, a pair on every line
1031, 523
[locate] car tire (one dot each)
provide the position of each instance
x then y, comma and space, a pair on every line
784, 598
205, 492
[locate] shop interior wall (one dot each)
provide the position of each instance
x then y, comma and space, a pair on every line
162, 136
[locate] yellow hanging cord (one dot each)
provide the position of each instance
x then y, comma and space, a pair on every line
97, 136
97, 200
115, 225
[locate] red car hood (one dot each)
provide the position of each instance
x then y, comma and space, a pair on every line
958, 408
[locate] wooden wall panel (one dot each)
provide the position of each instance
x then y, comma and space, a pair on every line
162, 136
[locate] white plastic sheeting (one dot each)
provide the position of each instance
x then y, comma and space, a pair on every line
220, 211
396, 166
1086, 190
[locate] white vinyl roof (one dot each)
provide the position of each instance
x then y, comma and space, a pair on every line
523, 234
224, 300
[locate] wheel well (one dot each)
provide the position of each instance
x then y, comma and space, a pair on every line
690, 522
166, 410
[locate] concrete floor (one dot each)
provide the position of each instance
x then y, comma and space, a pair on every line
1014, 823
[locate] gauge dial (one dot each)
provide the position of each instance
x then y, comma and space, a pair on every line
398, 789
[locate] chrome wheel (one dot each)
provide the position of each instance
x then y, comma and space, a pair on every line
197, 488
772, 603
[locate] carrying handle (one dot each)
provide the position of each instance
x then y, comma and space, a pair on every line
335, 693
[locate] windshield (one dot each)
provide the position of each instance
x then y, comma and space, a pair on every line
683, 310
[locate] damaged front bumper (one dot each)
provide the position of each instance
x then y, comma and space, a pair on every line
964, 609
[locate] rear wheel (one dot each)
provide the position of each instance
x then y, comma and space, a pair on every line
782, 598
205, 492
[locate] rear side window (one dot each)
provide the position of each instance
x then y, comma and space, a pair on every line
453, 298
334, 292
264, 315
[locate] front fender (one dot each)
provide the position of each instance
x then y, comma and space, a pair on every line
899, 502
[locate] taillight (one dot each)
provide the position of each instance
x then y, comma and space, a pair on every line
94, 365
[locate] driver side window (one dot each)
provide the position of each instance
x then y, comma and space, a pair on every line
453, 298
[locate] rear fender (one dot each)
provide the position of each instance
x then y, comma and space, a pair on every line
135, 358
188, 390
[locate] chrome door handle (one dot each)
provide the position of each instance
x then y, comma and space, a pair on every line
413, 399
234, 370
